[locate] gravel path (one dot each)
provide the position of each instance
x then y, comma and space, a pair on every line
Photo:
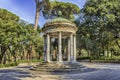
100, 72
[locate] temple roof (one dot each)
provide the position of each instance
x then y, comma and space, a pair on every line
59, 24
60, 19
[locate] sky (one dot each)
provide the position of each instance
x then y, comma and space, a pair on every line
25, 9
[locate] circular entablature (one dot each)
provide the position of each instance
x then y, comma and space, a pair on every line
59, 25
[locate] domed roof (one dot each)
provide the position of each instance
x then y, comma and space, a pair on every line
59, 19
59, 24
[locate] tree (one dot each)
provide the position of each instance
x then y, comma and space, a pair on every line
103, 13
100, 20
8, 25
18, 39
52, 9
40, 4
61, 9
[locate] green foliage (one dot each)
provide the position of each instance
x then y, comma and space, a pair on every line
99, 27
33, 61
103, 13
61, 9
8, 16
60, 19
2, 66
18, 39
9, 65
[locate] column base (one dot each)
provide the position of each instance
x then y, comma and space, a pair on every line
60, 61
72, 62
48, 61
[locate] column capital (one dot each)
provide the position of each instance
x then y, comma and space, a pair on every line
59, 31
74, 34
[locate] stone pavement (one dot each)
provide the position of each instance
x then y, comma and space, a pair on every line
98, 72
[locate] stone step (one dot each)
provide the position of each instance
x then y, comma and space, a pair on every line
58, 69
53, 67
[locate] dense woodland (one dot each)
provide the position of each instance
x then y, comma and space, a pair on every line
99, 29
98, 35
18, 40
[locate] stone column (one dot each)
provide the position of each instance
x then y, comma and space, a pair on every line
68, 49
74, 48
59, 47
45, 46
48, 48
71, 47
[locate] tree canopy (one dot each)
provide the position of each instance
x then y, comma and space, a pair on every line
16, 37
99, 27
61, 9
5, 15
105, 13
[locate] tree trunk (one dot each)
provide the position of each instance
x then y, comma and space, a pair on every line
15, 58
3, 53
89, 55
118, 44
29, 53
3, 60
108, 52
39, 56
24, 55
36, 19
88, 52
5, 57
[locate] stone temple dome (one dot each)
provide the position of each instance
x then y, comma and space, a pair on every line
59, 24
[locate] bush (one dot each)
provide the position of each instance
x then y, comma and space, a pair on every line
9, 64
33, 60
12, 64
1, 66
16, 63
83, 58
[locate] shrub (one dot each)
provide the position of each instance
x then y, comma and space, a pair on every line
33, 60
1, 66
9, 64
16, 63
